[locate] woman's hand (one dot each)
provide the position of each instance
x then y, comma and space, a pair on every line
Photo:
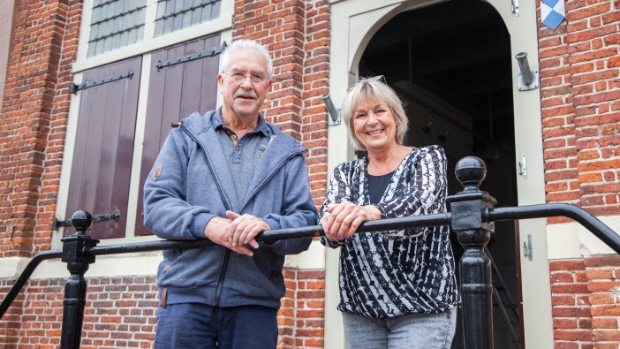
342, 220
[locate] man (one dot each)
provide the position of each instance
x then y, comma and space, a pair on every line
226, 176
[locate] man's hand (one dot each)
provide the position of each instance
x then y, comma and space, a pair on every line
218, 229
244, 229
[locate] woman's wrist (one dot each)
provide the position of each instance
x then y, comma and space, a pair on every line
375, 211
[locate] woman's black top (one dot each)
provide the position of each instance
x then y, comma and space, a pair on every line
377, 186
391, 273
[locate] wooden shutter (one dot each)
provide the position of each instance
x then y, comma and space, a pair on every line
175, 92
102, 158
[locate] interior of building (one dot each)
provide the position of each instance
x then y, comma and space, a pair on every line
451, 65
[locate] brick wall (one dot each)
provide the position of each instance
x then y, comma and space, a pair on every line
580, 89
572, 317
120, 313
32, 132
300, 319
586, 302
33, 123
6, 29
297, 35
580, 86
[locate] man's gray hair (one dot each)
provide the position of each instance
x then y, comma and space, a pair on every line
249, 45
373, 90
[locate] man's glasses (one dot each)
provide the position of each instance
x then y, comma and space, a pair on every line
240, 77
372, 78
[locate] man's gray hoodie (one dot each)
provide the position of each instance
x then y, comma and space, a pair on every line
190, 183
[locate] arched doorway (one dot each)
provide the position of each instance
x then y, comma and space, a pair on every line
456, 80
451, 65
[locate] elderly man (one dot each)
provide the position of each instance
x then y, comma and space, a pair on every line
226, 176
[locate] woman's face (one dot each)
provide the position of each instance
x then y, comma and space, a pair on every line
374, 125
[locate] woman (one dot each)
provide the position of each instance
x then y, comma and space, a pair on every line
397, 288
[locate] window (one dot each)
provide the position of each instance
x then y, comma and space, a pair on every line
116, 23
173, 15
117, 128
119, 23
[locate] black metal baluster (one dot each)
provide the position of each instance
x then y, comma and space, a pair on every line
75, 254
468, 210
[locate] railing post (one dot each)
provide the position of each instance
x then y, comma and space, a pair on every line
74, 254
468, 208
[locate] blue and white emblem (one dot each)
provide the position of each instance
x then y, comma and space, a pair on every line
552, 13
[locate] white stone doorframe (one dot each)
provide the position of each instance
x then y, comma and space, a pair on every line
353, 24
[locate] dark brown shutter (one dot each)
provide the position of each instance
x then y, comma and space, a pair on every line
175, 92
102, 159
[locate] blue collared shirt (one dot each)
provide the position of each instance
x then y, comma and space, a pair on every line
245, 154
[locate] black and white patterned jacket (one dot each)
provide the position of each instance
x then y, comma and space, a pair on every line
387, 274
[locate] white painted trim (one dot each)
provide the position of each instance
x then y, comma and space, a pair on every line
67, 161
572, 240
138, 148
136, 264
12, 267
562, 241
313, 258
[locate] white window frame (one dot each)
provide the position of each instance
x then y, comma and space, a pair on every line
148, 42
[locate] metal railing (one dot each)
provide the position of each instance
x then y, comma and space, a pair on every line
472, 216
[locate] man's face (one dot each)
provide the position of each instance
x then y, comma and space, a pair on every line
245, 84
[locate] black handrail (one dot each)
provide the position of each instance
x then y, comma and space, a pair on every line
471, 216
583, 217
24, 276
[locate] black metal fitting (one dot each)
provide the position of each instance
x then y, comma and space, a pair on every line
469, 209
57, 223
75, 253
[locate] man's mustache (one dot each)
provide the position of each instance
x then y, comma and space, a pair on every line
245, 94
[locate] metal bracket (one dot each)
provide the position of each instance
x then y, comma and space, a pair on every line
514, 6
527, 247
523, 167
57, 223
83, 86
528, 79
204, 54
523, 86
333, 114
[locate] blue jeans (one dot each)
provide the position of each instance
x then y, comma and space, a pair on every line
199, 326
411, 331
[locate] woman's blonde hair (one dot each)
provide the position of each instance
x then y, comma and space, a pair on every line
372, 89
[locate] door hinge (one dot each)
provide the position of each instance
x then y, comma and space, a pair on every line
83, 86
522, 170
527, 247
515, 7
204, 54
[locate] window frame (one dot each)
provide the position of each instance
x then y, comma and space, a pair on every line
222, 25
148, 43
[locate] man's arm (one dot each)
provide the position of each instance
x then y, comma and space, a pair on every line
298, 210
166, 213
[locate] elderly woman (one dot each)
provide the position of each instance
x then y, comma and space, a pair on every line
397, 288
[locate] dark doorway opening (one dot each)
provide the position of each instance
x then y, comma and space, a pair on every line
451, 65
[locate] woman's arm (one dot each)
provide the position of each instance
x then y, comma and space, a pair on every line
338, 192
